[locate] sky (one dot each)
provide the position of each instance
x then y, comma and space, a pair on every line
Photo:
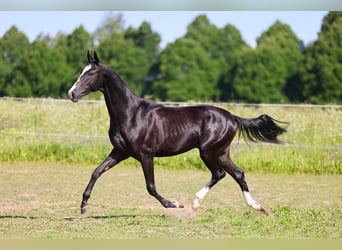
169, 24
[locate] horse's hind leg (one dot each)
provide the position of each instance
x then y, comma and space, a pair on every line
228, 165
210, 159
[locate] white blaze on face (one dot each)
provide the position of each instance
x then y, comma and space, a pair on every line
85, 70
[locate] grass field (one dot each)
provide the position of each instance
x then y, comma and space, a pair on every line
64, 132
42, 201
48, 150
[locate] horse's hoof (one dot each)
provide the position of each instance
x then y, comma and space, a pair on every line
177, 204
195, 208
180, 205
263, 210
84, 209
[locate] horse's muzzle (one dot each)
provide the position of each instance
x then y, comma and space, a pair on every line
72, 96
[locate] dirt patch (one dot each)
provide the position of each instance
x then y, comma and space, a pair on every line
186, 213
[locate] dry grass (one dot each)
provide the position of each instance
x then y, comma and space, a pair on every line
42, 201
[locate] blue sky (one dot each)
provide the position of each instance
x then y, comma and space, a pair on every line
169, 24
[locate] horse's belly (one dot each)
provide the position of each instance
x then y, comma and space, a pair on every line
177, 145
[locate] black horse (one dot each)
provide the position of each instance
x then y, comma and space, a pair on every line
143, 129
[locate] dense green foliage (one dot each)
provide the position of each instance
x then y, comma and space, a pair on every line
207, 63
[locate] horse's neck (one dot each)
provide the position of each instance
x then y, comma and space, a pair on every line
120, 100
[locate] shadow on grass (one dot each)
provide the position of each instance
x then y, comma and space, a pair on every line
17, 217
115, 216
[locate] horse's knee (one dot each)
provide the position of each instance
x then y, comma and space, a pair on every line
221, 174
218, 175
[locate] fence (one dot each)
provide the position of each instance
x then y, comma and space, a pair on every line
105, 137
169, 103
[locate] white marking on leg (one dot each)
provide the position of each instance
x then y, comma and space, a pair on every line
251, 202
203, 192
199, 196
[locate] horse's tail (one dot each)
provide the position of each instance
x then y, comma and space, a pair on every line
263, 128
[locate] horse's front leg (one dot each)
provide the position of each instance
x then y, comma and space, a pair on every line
114, 158
148, 168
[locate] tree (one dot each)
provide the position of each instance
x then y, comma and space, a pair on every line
60, 46
44, 69
188, 73
206, 34
113, 23
129, 61
73, 47
265, 73
145, 38
78, 43
321, 74
5, 73
222, 45
148, 40
12, 46
252, 81
232, 44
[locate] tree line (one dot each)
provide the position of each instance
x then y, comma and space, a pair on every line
206, 64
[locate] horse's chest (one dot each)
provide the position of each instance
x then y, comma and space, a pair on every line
117, 139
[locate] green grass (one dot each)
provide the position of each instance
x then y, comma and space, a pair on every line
41, 201
49, 131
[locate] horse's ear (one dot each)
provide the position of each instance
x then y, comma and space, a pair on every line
90, 58
97, 60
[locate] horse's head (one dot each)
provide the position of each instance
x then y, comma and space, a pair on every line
90, 79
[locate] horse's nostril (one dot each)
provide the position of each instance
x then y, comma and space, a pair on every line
71, 94
73, 97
